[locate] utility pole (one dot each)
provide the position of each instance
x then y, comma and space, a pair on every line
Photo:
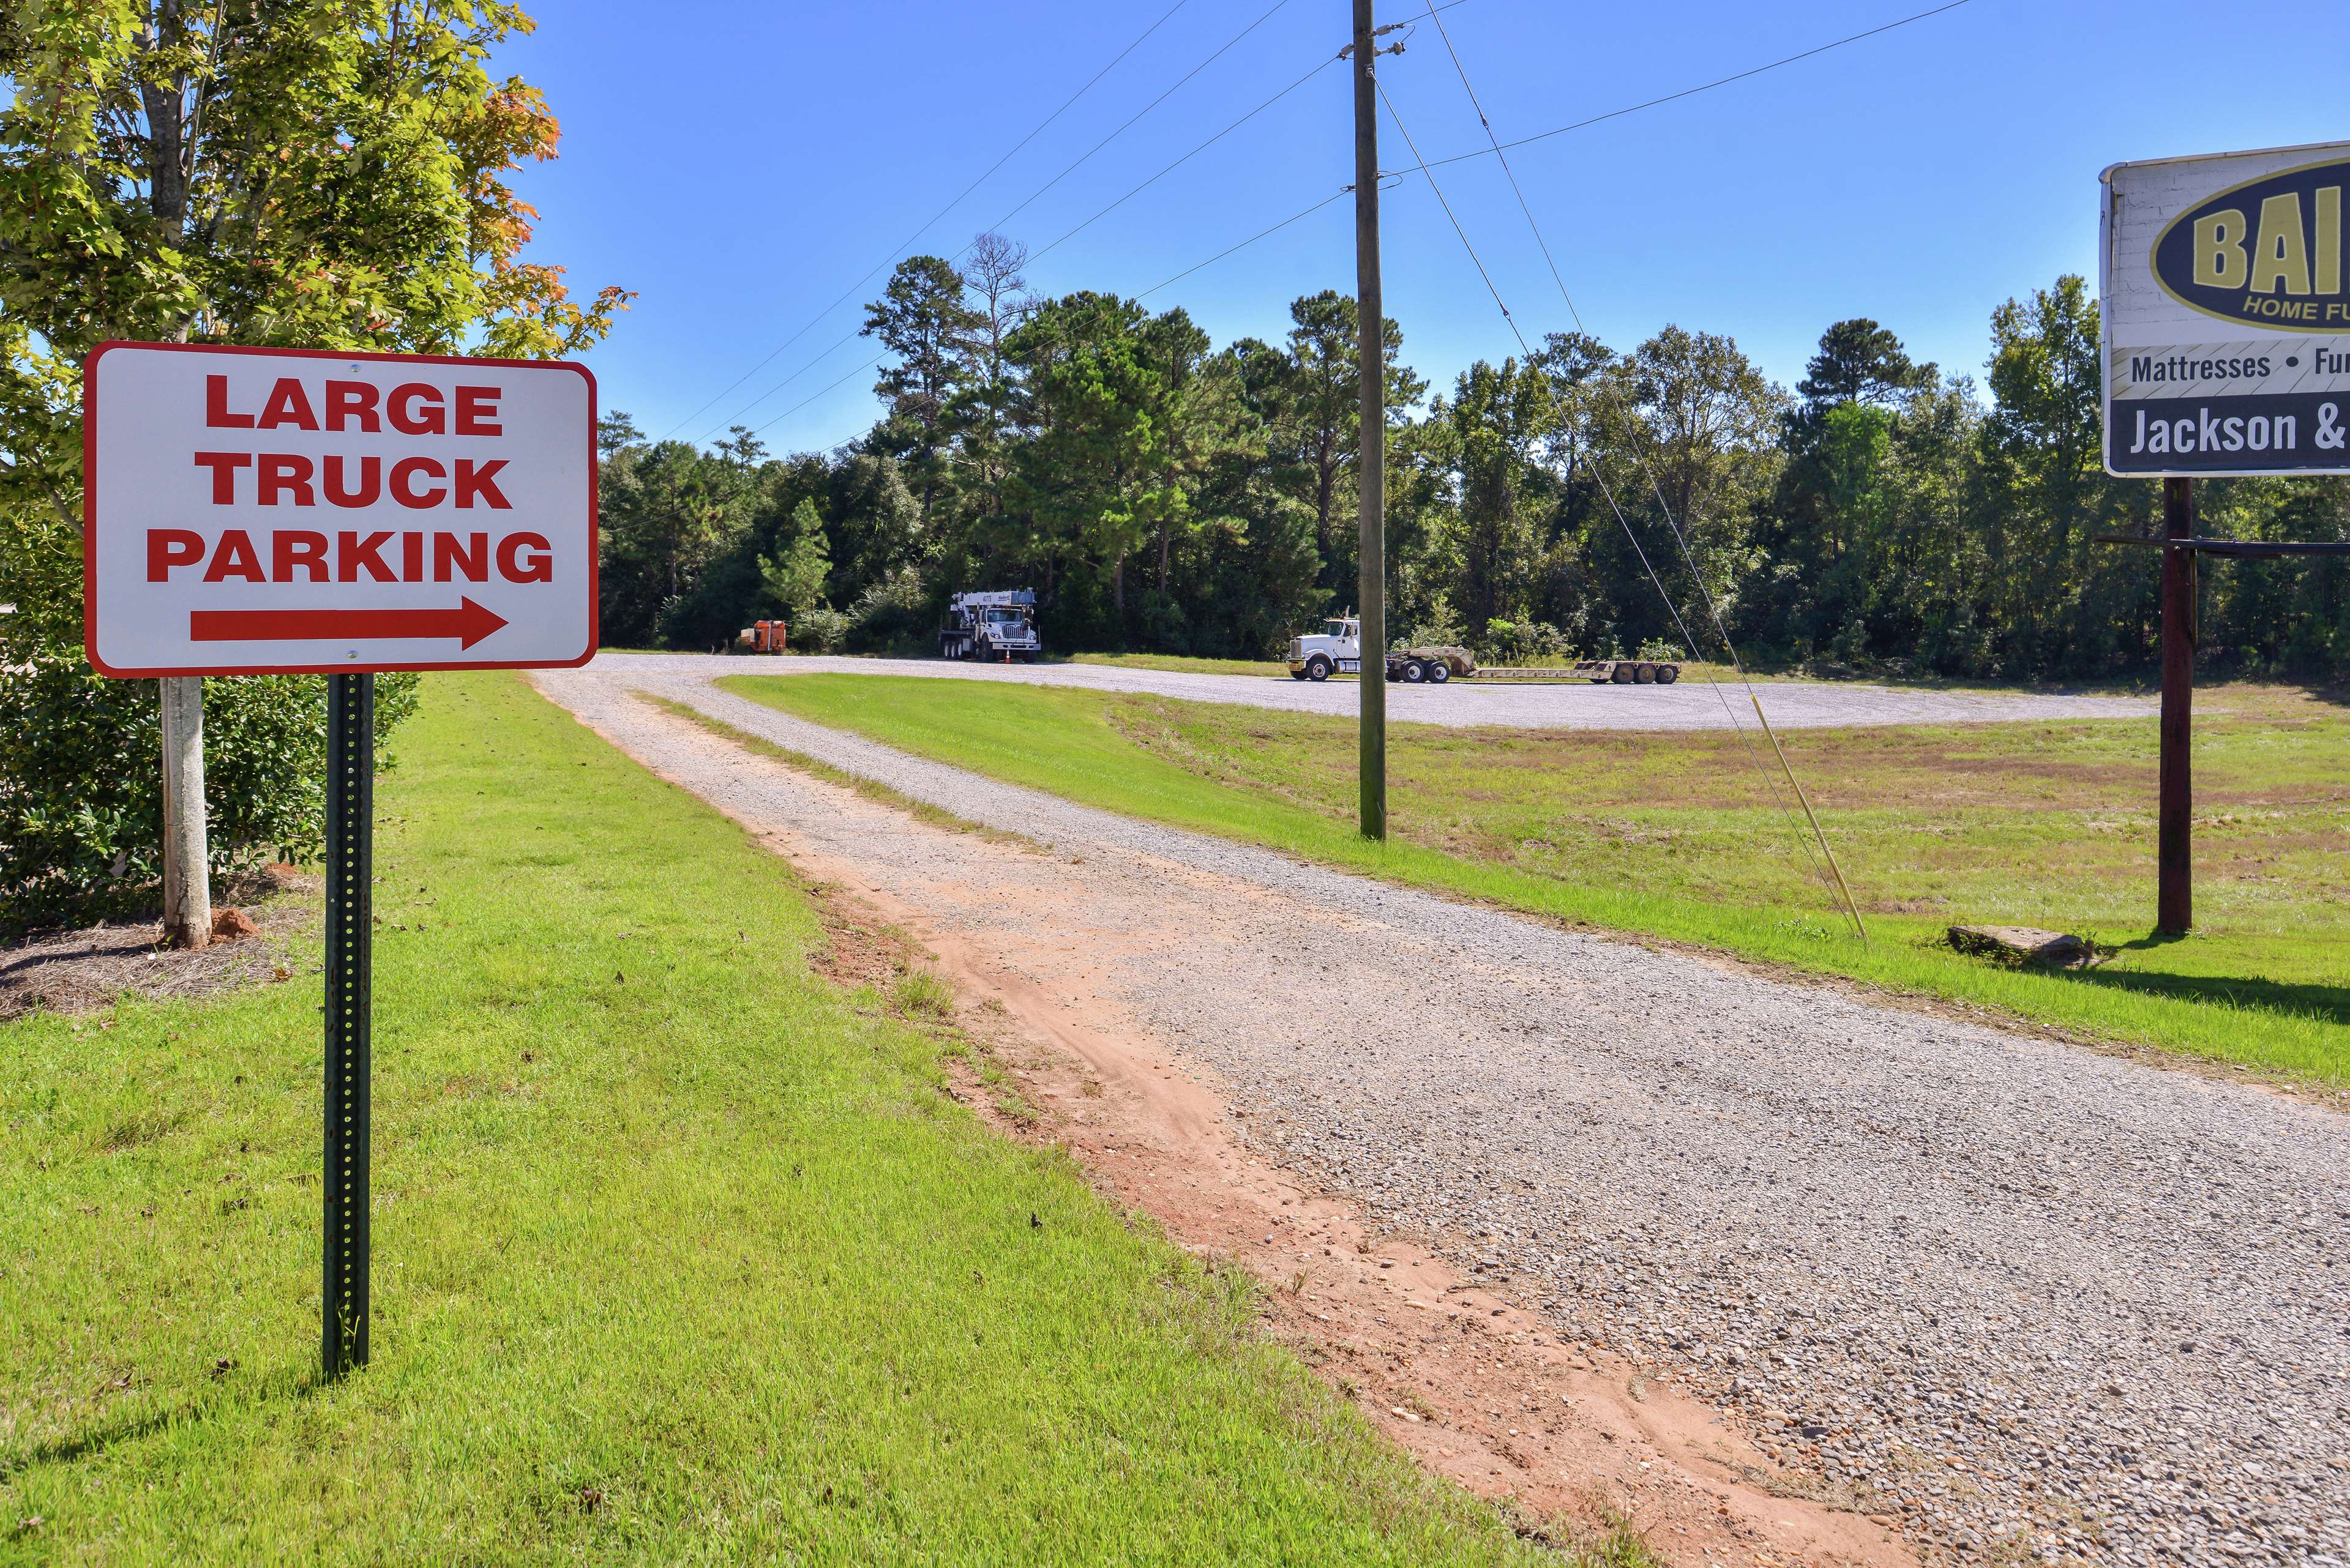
2175, 879
1370, 324
187, 882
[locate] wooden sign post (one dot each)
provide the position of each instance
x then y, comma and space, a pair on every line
2221, 284
2174, 902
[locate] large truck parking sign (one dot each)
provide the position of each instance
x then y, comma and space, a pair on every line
2227, 313
283, 511
256, 511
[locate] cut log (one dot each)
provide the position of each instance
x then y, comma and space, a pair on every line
2025, 945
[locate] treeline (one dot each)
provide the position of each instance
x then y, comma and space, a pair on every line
1162, 494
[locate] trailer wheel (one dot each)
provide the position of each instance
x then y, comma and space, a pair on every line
1439, 672
1623, 675
1414, 671
1667, 673
1317, 669
1643, 674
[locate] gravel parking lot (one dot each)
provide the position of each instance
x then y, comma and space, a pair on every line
2024, 1297
1690, 704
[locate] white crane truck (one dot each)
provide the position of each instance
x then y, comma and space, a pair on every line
995, 627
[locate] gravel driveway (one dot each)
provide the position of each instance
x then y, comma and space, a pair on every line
1691, 704
2026, 1292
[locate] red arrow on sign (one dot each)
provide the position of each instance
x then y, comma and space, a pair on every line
468, 623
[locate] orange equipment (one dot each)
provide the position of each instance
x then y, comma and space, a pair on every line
766, 637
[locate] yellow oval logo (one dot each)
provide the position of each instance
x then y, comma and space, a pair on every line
2267, 253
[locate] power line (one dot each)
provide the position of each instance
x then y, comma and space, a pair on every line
1606, 489
1679, 535
812, 397
1227, 130
1066, 105
1252, 239
1226, 47
1500, 147
1145, 109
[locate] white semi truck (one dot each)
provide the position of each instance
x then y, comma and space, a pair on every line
996, 627
1337, 649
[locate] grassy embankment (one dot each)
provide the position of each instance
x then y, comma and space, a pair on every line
682, 1253
1678, 836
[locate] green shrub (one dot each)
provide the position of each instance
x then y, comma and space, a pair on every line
1531, 642
81, 792
892, 614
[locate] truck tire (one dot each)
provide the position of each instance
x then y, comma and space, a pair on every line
1643, 674
1414, 671
1439, 672
1317, 669
1667, 673
1623, 675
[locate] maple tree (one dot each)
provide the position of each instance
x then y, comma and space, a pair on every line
315, 174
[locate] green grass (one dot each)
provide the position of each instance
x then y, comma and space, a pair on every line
682, 1254
1678, 836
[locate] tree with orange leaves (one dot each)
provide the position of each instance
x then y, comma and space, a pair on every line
320, 173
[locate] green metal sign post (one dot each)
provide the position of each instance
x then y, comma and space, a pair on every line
350, 866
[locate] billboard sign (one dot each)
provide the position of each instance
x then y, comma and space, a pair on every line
2225, 313
269, 512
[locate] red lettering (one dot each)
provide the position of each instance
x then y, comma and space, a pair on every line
482, 481
538, 569
351, 553
216, 414
477, 407
297, 547
286, 471
234, 558
401, 409
409, 466
371, 482
349, 400
169, 547
473, 559
412, 558
224, 466
289, 405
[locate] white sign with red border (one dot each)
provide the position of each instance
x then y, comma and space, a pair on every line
279, 511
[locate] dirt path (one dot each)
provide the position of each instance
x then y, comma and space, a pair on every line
1723, 1239
1692, 704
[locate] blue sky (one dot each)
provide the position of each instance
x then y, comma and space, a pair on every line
742, 165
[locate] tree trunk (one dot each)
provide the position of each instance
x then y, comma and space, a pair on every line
187, 851
187, 881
